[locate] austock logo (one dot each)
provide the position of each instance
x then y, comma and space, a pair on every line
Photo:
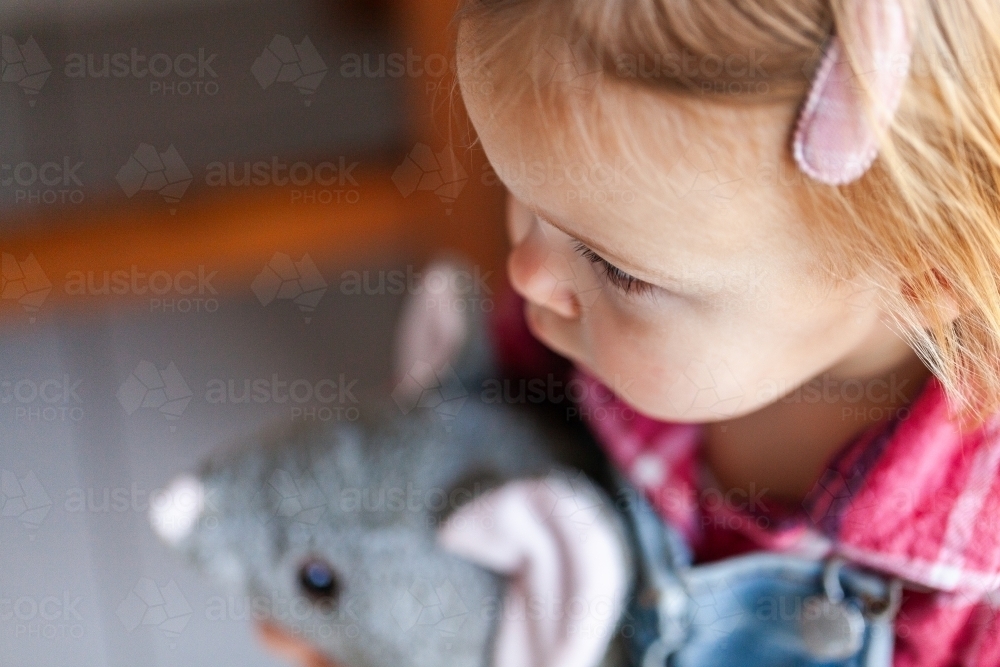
298, 64
150, 388
439, 172
699, 172
50, 182
323, 182
24, 498
24, 282
48, 616
575, 65
294, 497
703, 387
423, 387
284, 279
148, 169
427, 605
326, 399
149, 604
298, 614
182, 74
51, 399
24, 64
183, 291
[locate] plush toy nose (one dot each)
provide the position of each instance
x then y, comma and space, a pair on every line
176, 510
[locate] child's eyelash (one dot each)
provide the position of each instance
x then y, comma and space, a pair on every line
623, 281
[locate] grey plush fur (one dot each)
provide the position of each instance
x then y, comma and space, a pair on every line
366, 498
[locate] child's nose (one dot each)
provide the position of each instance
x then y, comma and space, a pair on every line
543, 275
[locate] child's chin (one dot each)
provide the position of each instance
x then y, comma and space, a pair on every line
705, 415
684, 409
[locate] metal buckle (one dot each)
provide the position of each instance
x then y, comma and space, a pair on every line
831, 627
885, 609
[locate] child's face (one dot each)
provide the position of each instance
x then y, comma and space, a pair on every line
733, 309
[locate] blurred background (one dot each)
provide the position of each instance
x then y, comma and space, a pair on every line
198, 194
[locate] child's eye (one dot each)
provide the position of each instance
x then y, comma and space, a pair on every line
622, 281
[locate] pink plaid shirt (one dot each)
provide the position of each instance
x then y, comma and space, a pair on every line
915, 498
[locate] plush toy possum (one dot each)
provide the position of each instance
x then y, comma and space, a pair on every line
437, 530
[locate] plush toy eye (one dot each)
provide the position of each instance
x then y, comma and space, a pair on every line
318, 580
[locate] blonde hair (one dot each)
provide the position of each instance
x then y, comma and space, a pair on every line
923, 222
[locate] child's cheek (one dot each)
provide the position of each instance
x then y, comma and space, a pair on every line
616, 346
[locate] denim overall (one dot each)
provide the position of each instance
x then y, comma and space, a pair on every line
752, 610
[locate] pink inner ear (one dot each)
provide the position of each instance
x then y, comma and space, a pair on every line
566, 568
835, 141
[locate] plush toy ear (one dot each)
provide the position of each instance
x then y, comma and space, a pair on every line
442, 347
836, 139
432, 329
566, 563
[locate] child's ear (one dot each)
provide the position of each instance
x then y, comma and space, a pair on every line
932, 293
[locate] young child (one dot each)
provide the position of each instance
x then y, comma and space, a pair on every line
770, 228
766, 234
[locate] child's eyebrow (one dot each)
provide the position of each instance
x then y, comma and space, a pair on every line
576, 236
601, 250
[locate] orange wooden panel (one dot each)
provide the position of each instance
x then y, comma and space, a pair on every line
236, 231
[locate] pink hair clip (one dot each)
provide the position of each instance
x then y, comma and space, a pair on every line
835, 140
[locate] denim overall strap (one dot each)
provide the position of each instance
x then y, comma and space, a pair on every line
652, 625
761, 608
